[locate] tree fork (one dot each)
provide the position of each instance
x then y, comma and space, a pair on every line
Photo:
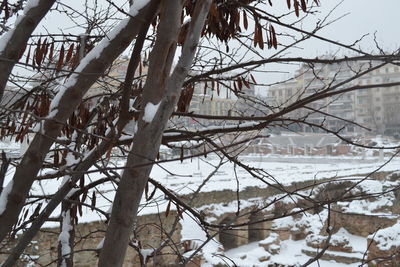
145, 149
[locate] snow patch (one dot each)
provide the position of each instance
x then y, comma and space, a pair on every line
387, 238
4, 196
5, 38
191, 230
137, 6
146, 253
64, 236
71, 160
150, 111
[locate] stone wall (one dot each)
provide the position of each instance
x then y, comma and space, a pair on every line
360, 224
89, 235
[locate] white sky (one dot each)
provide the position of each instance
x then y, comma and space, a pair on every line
364, 17
361, 17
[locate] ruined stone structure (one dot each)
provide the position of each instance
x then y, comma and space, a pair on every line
89, 235
258, 226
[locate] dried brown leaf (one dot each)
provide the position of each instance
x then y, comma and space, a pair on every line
60, 58
167, 210
296, 8
303, 5
69, 53
93, 200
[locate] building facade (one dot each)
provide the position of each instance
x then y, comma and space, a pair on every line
377, 108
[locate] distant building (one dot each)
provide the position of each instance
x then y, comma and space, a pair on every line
114, 77
225, 103
376, 108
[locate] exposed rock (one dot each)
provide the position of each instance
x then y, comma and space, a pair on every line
271, 244
340, 243
383, 258
264, 258
273, 239
315, 241
284, 233
274, 249
384, 248
196, 261
149, 225
360, 224
299, 233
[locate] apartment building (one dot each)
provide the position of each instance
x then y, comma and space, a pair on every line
375, 108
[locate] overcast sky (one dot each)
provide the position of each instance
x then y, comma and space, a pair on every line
364, 17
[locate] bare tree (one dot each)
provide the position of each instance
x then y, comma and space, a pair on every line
75, 130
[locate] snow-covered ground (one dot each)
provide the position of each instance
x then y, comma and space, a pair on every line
185, 177
296, 252
250, 254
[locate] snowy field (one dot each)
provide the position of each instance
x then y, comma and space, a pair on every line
185, 177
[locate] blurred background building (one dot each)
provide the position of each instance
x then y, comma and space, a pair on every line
376, 108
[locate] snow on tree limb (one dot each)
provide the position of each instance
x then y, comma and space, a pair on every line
67, 101
14, 41
150, 111
144, 150
89, 159
64, 236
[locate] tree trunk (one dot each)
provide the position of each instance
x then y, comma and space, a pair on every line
13, 42
100, 149
147, 140
64, 104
